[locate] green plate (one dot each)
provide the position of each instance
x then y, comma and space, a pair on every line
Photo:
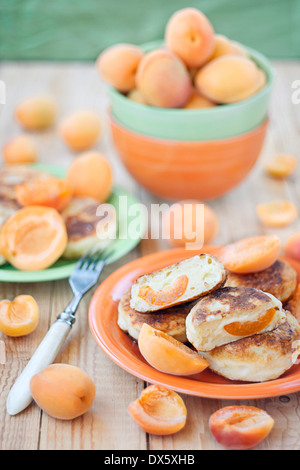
63, 268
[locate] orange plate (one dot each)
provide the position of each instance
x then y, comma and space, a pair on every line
123, 351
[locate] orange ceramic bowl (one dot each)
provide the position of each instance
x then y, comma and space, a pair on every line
187, 169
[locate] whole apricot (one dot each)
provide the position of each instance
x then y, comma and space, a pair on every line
136, 95
190, 35
118, 64
90, 175
190, 221
224, 46
292, 246
37, 113
240, 427
229, 79
198, 101
81, 130
63, 391
163, 79
19, 317
21, 149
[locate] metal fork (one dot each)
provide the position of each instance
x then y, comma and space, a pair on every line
83, 278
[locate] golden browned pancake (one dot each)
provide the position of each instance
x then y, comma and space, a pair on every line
259, 357
170, 320
178, 283
84, 227
280, 279
293, 305
232, 313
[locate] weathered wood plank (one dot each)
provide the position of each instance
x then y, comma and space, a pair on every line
107, 425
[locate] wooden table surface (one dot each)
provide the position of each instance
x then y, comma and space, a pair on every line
107, 425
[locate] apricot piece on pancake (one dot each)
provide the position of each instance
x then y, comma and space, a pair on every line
251, 254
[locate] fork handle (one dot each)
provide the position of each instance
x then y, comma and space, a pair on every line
19, 396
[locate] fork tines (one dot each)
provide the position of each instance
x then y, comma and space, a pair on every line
91, 259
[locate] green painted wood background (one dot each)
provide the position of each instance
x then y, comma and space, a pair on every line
80, 29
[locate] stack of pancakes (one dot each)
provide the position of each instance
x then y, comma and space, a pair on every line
237, 322
170, 318
85, 228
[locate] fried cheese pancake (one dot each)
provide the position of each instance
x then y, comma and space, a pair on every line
179, 283
293, 305
85, 228
280, 280
259, 357
232, 313
170, 320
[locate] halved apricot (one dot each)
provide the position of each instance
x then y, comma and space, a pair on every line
20, 316
277, 213
166, 354
281, 165
240, 427
166, 295
251, 254
50, 192
159, 411
33, 238
250, 327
